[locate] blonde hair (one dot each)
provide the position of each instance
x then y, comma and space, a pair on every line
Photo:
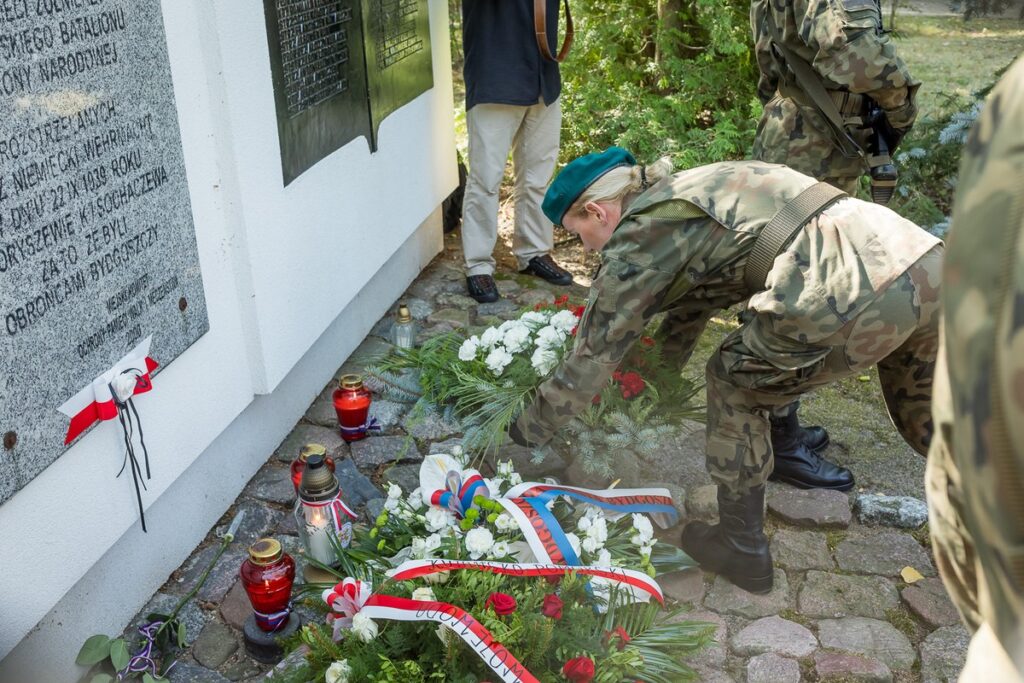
614, 185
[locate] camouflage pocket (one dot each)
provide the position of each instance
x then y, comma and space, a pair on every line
860, 13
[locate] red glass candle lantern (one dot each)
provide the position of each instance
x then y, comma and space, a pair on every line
352, 404
299, 463
268, 575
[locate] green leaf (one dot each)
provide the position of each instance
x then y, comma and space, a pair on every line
119, 654
96, 649
146, 678
102, 678
181, 634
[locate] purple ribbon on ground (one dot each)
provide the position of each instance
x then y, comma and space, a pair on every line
143, 660
372, 425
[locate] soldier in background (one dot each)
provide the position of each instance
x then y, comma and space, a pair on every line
854, 64
975, 477
834, 286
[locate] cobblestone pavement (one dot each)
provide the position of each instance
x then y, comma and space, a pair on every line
841, 609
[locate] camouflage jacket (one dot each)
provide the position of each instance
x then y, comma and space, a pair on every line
842, 40
695, 230
979, 408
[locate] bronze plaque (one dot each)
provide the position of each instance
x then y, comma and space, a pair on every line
339, 68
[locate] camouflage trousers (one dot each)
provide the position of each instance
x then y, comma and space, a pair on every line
898, 331
795, 136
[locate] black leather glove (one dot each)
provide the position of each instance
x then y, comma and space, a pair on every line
892, 136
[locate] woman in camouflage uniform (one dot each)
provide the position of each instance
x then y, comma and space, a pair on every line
854, 286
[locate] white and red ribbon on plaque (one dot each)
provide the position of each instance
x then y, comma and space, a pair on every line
350, 597
96, 402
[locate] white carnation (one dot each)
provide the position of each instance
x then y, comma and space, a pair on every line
364, 628
439, 518
604, 558
423, 593
497, 360
478, 542
550, 337
643, 526
591, 545
500, 549
544, 360
338, 672
564, 321
574, 541
517, 338
433, 542
598, 531
504, 522
419, 548
490, 337
534, 319
469, 348
584, 524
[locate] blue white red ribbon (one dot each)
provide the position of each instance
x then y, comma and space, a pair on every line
460, 489
272, 621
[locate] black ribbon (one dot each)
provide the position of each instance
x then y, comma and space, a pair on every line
125, 410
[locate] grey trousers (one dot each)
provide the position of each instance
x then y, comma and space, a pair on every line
532, 133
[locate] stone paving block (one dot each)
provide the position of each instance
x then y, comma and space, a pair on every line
429, 427
943, 654
837, 595
868, 637
241, 668
221, 576
774, 634
215, 644
188, 672
304, 433
458, 301
885, 554
771, 668
714, 654
506, 309
236, 608
406, 476
429, 287
684, 586
847, 668
507, 287
531, 297
813, 508
190, 615
374, 451
903, 512
356, 488
321, 411
729, 599
258, 520
365, 354
801, 549
703, 502
272, 484
456, 317
929, 600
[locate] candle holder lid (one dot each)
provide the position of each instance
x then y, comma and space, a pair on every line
318, 483
265, 551
351, 382
311, 449
403, 315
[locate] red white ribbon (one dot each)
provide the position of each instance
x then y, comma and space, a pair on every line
337, 507
95, 402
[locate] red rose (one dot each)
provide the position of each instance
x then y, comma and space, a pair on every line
632, 385
647, 341
620, 634
578, 311
579, 670
502, 603
552, 607
562, 300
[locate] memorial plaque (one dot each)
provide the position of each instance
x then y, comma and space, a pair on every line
339, 67
97, 245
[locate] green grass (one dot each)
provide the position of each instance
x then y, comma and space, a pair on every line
952, 57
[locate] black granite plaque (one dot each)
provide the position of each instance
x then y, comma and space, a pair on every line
97, 244
339, 67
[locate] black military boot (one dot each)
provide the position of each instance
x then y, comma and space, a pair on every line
798, 464
736, 547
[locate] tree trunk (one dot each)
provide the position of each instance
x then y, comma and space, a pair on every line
670, 23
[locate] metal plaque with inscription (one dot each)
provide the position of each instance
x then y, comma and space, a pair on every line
340, 67
97, 245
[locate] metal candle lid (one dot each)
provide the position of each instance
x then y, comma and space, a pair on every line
318, 483
403, 315
265, 551
351, 382
311, 449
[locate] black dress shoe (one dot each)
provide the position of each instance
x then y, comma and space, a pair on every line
545, 268
482, 288
798, 464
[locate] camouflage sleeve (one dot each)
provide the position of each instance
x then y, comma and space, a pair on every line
853, 54
623, 299
681, 329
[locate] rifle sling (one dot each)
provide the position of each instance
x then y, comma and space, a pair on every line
540, 27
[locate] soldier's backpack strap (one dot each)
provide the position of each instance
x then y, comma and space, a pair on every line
540, 28
810, 82
781, 229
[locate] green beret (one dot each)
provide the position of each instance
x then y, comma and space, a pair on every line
577, 176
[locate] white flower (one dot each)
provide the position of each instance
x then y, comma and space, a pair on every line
550, 337
643, 526
419, 548
505, 468
416, 499
583, 524
593, 512
338, 672
637, 539
391, 504
544, 360
469, 348
574, 541
433, 542
364, 628
500, 549
457, 452
394, 491
439, 577
490, 337
598, 531
478, 541
645, 550
591, 545
406, 515
564, 321
497, 360
514, 479
439, 518
423, 593
604, 558
517, 338
534, 319
494, 485
504, 522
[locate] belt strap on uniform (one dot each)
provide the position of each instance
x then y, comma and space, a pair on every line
781, 229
